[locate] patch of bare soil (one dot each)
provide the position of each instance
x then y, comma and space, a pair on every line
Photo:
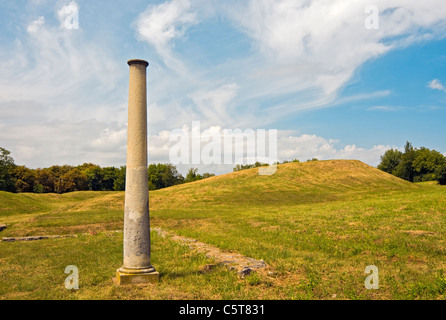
419, 232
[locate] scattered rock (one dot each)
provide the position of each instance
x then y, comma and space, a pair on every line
246, 271
209, 267
2, 227
35, 238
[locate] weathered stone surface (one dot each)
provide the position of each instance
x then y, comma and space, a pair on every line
246, 271
137, 267
123, 278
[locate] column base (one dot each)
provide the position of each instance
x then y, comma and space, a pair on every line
136, 276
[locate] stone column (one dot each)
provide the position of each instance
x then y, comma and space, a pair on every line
137, 267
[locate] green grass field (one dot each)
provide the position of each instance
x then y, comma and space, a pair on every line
317, 225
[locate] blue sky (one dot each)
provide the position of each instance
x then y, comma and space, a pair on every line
333, 88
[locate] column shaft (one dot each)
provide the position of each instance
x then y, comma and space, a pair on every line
136, 209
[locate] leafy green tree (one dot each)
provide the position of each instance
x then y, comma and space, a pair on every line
239, 167
46, 179
25, 179
109, 175
192, 175
171, 176
414, 165
119, 183
426, 163
85, 166
73, 180
289, 161
163, 176
7, 181
94, 178
441, 174
38, 188
405, 169
390, 160
152, 186
57, 173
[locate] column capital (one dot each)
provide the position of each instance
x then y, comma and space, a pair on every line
138, 61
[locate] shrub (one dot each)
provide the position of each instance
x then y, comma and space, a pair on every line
441, 175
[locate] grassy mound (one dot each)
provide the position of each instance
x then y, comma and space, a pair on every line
293, 183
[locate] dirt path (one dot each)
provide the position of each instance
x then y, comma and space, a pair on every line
234, 261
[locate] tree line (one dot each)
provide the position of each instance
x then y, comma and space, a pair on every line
415, 164
85, 177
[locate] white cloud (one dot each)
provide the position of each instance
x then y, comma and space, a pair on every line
370, 156
57, 67
385, 108
46, 143
75, 142
330, 37
304, 146
159, 147
436, 85
307, 146
35, 25
215, 104
303, 52
110, 140
160, 24
37, 2
61, 70
57, 97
